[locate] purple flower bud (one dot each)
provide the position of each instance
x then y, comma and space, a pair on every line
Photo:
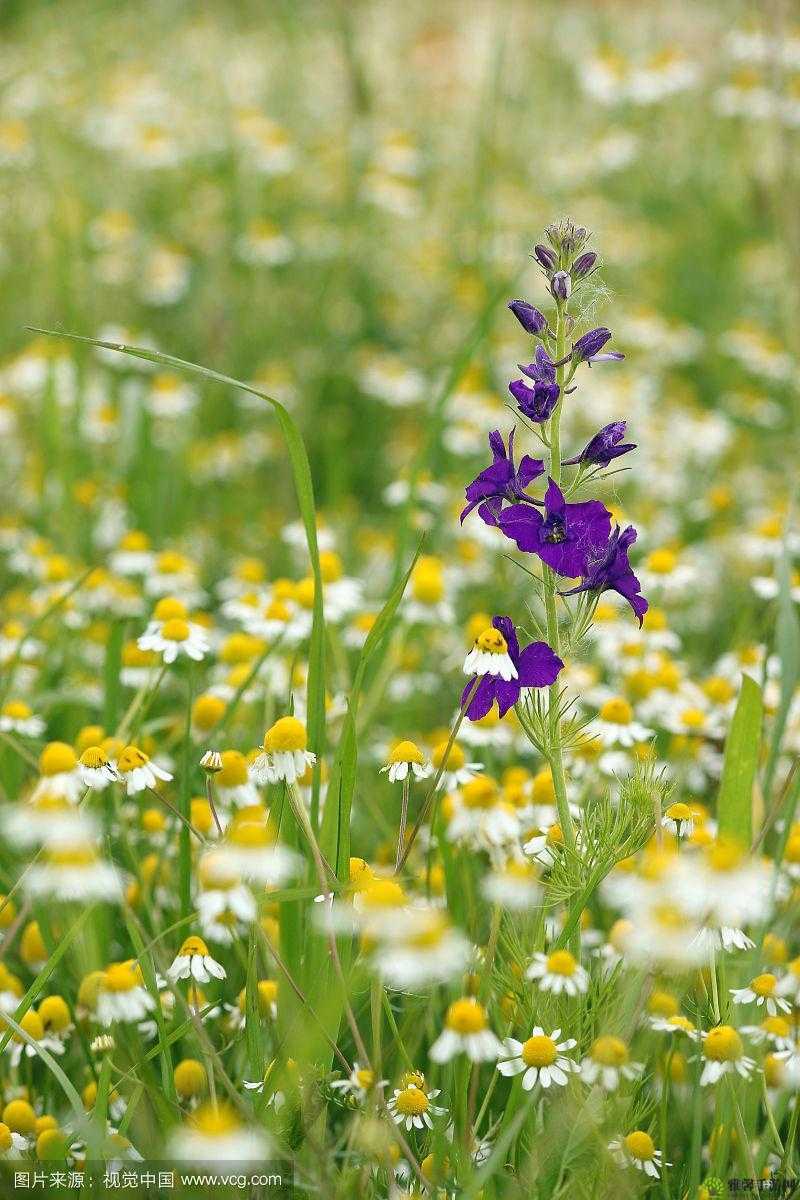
545, 257
561, 285
531, 320
590, 344
583, 265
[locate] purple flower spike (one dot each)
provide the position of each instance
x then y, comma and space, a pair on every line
536, 666
610, 570
606, 445
566, 537
537, 402
501, 480
531, 320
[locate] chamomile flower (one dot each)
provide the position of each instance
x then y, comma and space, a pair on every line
405, 759
59, 775
615, 725
213, 1135
541, 1057
359, 1083
723, 1054
285, 754
74, 872
455, 770
422, 950
250, 849
411, 1106
467, 1032
95, 769
559, 972
137, 772
122, 995
171, 633
514, 885
678, 819
608, 1063
762, 991
193, 960
638, 1150
17, 717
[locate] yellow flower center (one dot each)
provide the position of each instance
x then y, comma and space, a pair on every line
131, 758
616, 711
679, 812
412, 1102
250, 829
170, 609
215, 1120
5, 1138
19, 1116
777, 1026
427, 582
764, 985
190, 1078
123, 977
57, 758
54, 1013
640, 1145
383, 893
208, 711
17, 710
365, 1078
723, 1044
175, 630
455, 759
491, 641
406, 751
234, 769
194, 945
480, 792
724, 855
561, 962
466, 1016
609, 1051
94, 758
330, 565
662, 562
539, 1051
693, 718
287, 734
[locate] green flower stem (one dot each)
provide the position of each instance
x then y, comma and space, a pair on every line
556, 756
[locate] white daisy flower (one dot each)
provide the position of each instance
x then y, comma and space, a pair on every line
411, 1106
638, 1150
467, 1032
541, 1057
193, 961
489, 656
608, 1062
138, 772
558, 973
404, 759
762, 991
285, 755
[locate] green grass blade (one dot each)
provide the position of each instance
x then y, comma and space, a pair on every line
787, 646
735, 801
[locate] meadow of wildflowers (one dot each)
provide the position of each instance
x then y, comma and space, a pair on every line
399, 648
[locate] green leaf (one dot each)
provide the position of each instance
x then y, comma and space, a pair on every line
735, 801
334, 837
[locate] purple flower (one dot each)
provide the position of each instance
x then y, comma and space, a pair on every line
587, 348
536, 666
501, 480
531, 320
565, 537
605, 445
537, 402
561, 285
545, 257
583, 265
610, 571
